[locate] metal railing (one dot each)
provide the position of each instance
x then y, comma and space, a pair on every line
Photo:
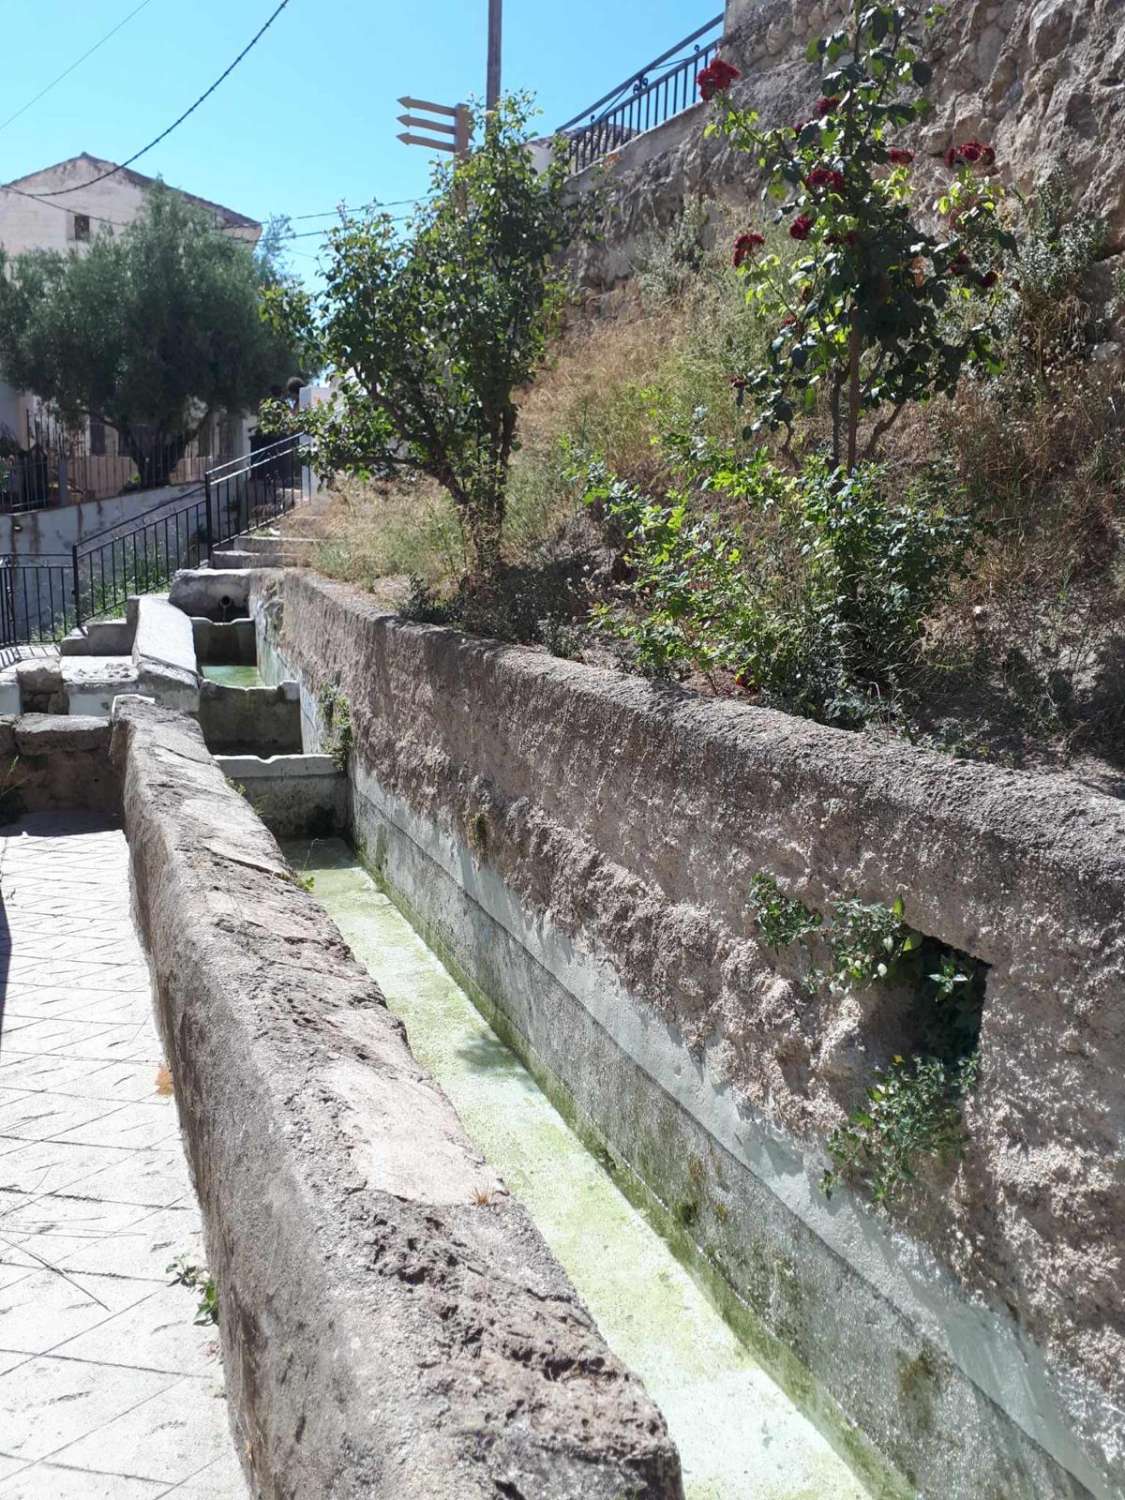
252, 492
63, 467
662, 89
141, 555
36, 600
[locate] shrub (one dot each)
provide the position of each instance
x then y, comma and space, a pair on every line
861, 316
821, 613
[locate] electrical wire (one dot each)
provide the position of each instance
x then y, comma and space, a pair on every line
61, 192
77, 63
348, 209
6, 187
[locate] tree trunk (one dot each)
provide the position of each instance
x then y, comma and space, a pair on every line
854, 351
155, 454
483, 526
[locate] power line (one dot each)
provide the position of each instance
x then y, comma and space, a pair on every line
347, 208
6, 187
175, 123
77, 63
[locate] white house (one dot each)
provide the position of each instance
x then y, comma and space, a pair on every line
69, 222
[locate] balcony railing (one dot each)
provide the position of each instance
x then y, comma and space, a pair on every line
662, 89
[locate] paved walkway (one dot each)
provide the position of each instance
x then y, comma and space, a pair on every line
108, 1390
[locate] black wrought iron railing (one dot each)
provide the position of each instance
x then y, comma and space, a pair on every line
140, 556
663, 88
36, 600
252, 492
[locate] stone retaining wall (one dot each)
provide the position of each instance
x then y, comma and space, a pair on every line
1040, 79
392, 1323
50, 760
580, 846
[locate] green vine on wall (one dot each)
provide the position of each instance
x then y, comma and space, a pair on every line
913, 1109
336, 716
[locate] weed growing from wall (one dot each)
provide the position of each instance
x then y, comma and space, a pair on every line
913, 1109
185, 1273
337, 720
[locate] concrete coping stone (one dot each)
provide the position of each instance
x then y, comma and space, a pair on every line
393, 1325
277, 767
204, 591
39, 734
164, 642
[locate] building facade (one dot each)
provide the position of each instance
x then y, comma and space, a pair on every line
31, 443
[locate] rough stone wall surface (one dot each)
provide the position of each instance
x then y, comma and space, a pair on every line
1043, 80
393, 1325
634, 816
49, 761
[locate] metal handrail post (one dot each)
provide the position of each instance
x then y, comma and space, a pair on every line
210, 527
77, 591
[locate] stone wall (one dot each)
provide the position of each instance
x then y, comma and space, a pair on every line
1043, 80
393, 1326
580, 846
49, 761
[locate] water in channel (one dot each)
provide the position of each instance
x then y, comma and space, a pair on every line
738, 1434
240, 677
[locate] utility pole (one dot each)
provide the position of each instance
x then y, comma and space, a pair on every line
495, 40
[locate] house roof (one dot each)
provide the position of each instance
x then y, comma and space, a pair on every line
96, 165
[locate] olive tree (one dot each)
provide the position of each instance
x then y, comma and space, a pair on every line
429, 334
151, 331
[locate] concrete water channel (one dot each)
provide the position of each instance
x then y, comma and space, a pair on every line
739, 1435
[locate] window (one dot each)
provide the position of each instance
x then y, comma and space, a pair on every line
97, 438
81, 226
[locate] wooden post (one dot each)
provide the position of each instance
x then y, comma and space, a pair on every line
495, 35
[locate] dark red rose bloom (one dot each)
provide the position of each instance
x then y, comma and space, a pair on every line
799, 229
989, 280
899, 156
717, 78
970, 153
850, 237
825, 177
960, 265
826, 106
745, 245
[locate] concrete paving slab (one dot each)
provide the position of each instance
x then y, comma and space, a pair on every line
52, 1482
92, 1335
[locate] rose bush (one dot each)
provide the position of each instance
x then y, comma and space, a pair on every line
864, 316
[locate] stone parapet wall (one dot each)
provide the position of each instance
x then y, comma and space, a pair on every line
392, 1322
1040, 79
582, 844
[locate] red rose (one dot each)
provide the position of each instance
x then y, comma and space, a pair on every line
799, 229
900, 157
825, 177
989, 280
717, 78
960, 265
848, 238
745, 245
826, 106
969, 153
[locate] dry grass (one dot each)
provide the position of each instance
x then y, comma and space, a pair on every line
1034, 637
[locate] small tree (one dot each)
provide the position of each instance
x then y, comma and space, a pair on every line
863, 314
431, 333
150, 332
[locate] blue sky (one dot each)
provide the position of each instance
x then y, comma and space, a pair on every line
309, 117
